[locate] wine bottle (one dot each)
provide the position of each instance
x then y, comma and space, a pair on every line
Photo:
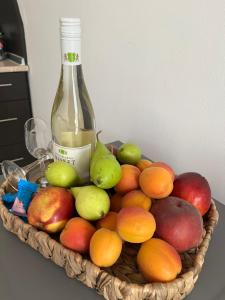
72, 117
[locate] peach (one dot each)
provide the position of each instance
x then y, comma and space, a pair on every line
115, 202
105, 247
135, 224
143, 164
136, 198
195, 189
156, 182
129, 180
50, 209
109, 221
158, 261
77, 234
165, 166
178, 222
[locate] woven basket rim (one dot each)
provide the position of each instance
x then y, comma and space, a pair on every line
192, 272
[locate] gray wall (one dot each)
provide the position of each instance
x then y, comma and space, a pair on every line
155, 71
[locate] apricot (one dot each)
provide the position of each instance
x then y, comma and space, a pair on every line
109, 221
129, 180
165, 166
105, 247
135, 224
115, 202
156, 182
77, 234
136, 198
143, 164
158, 261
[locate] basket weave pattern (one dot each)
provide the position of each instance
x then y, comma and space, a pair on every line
122, 280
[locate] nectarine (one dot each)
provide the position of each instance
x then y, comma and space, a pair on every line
195, 189
178, 222
77, 234
50, 209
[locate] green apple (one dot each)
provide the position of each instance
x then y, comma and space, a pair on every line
62, 174
92, 203
129, 154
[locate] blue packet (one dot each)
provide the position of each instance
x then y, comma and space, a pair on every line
23, 197
9, 197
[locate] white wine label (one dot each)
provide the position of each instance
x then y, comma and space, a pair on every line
71, 52
79, 157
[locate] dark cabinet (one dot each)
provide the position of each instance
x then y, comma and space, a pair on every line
13, 86
15, 109
15, 103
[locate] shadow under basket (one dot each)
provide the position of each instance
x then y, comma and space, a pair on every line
122, 280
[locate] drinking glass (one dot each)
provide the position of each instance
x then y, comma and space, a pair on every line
38, 143
37, 138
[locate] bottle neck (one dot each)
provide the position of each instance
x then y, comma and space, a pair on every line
71, 52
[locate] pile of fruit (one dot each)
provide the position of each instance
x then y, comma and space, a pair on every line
130, 200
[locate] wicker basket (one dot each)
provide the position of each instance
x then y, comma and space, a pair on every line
122, 280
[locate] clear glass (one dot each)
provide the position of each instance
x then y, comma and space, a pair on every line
37, 137
72, 118
33, 172
12, 173
37, 141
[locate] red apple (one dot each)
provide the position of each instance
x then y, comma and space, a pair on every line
193, 188
178, 223
50, 209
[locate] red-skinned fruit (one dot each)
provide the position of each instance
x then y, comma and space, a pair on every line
193, 188
50, 209
77, 234
178, 222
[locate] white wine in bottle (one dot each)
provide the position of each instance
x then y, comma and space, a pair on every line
72, 118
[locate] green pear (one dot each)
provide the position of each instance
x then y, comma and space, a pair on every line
106, 172
129, 154
62, 174
92, 203
76, 190
100, 150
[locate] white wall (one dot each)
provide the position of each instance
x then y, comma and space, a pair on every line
155, 71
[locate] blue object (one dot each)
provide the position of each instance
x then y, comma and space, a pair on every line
25, 191
9, 197
23, 197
